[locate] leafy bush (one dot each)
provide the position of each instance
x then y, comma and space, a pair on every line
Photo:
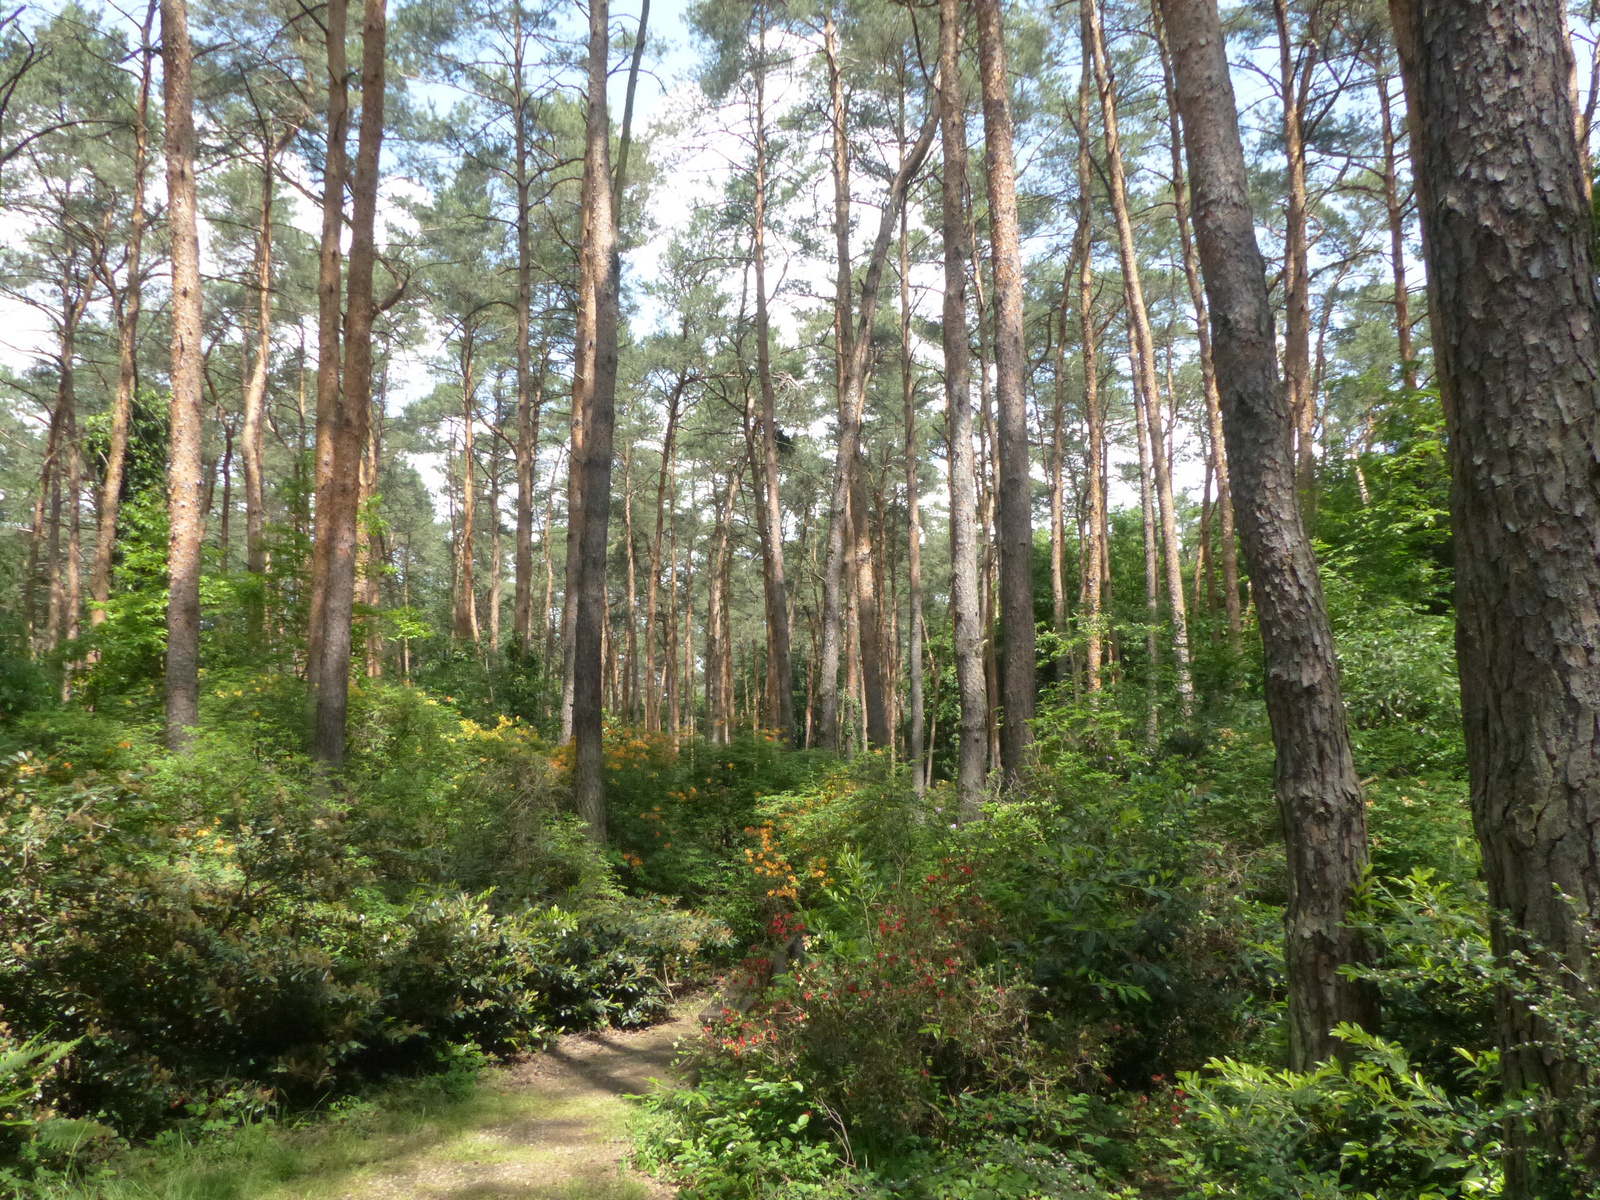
1376, 1127
255, 944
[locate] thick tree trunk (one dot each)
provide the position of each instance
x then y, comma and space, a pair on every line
600, 249
780, 673
329, 319
1508, 238
127, 308
966, 617
1014, 527
1144, 362
1315, 779
184, 515
338, 521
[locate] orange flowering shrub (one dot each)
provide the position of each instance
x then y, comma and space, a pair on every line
884, 1036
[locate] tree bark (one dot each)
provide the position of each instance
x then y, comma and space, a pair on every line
184, 515
338, 522
464, 621
1395, 210
1208, 371
1091, 571
780, 672
852, 401
908, 388
1014, 524
600, 249
1295, 71
966, 617
1144, 363
527, 412
127, 308
1315, 779
843, 355
1508, 238
329, 318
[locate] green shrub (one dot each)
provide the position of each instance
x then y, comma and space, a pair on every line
1376, 1128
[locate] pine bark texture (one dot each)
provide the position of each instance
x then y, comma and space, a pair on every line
594, 465
329, 317
184, 513
339, 519
1315, 779
1508, 238
966, 617
1014, 522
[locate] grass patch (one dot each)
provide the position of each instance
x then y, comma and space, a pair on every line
450, 1137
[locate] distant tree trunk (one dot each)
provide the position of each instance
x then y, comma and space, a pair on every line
1091, 571
1394, 207
464, 621
184, 515
1295, 72
255, 392
1148, 450
632, 699
494, 542
653, 684
971, 741
852, 401
1318, 795
527, 405
126, 307
338, 524
329, 318
1508, 238
908, 387
1208, 371
780, 672
832, 614
869, 636
600, 249
1057, 481
1144, 365
1015, 523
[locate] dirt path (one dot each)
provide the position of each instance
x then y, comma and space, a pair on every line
551, 1128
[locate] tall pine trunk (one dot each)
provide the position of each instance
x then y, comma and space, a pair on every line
338, 522
126, 308
780, 673
1218, 461
329, 319
599, 420
1144, 364
1508, 238
1014, 523
184, 514
966, 615
1314, 776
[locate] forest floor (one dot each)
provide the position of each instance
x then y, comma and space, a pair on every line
554, 1126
